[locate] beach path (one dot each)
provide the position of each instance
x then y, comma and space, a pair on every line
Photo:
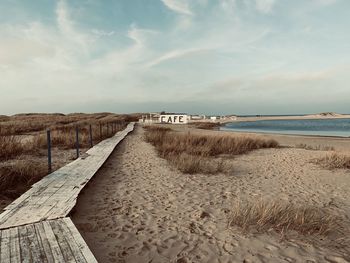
140, 209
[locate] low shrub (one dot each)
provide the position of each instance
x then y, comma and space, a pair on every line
334, 161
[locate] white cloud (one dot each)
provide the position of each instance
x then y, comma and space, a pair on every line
175, 54
140, 35
325, 2
264, 6
179, 6
102, 33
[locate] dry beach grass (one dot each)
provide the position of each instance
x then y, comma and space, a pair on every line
334, 161
191, 152
284, 217
18, 175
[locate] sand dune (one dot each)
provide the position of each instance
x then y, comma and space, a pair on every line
139, 209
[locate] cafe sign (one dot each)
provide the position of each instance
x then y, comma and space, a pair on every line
173, 118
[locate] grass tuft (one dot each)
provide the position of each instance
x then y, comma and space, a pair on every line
315, 148
207, 125
10, 146
192, 164
18, 175
190, 152
283, 217
334, 161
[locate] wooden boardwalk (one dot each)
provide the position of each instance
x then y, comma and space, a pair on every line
52, 198
47, 241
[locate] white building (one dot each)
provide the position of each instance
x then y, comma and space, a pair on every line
173, 118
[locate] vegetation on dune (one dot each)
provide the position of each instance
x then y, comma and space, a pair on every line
24, 135
10, 146
283, 217
334, 161
191, 153
17, 176
315, 148
28, 123
206, 125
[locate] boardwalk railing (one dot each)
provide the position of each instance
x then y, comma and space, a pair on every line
34, 229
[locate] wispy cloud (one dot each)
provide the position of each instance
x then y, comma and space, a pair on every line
265, 6
325, 2
179, 6
176, 54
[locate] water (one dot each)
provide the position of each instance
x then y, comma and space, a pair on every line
324, 127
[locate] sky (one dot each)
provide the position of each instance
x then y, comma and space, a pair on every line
195, 56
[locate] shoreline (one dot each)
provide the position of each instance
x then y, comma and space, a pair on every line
285, 134
294, 117
308, 117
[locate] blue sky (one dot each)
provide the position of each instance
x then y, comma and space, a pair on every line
198, 56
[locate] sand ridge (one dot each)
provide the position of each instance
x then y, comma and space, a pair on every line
139, 209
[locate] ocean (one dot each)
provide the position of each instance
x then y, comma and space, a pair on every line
320, 127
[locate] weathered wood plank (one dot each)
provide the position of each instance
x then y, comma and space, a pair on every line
80, 241
44, 242
52, 241
77, 253
5, 253
24, 244
35, 248
66, 251
49, 241
14, 246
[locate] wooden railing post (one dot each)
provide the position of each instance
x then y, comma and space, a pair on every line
77, 140
90, 130
100, 131
49, 161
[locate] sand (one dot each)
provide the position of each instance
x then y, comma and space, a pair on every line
140, 209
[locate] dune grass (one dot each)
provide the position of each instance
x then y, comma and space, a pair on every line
192, 164
263, 216
193, 153
334, 161
28, 123
315, 148
9, 146
206, 125
17, 176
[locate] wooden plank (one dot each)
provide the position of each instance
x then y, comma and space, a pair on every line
5, 246
45, 242
46, 246
36, 251
24, 244
52, 241
14, 246
79, 257
80, 241
66, 251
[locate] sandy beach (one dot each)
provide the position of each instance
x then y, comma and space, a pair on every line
138, 208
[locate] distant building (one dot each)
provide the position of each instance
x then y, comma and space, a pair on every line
166, 118
174, 118
197, 117
214, 118
182, 118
